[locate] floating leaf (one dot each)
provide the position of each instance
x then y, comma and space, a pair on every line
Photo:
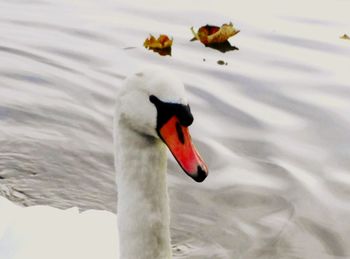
210, 34
162, 45
345, 37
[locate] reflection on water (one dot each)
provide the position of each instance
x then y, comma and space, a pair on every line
273, 124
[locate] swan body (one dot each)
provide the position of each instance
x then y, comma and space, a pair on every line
40, 232
152, 114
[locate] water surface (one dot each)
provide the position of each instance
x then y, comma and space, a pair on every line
272, 124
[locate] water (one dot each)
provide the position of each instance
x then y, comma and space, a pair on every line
272, 125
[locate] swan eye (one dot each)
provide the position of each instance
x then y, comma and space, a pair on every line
166, 110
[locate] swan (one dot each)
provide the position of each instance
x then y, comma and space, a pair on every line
152, 114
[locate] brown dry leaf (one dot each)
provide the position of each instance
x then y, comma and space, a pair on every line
345, 37
162, 42
210, 34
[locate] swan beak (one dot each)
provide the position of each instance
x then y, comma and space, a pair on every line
177, 138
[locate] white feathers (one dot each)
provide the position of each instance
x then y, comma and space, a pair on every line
133, 102
44, 232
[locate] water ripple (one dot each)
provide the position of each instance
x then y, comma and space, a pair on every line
272, 124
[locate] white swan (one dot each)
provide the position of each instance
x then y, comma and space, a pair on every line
151, 109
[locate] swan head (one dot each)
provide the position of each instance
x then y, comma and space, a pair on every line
153, 103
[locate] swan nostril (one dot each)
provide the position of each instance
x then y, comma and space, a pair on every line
180, 133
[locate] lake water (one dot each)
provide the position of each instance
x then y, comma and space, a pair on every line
273, 124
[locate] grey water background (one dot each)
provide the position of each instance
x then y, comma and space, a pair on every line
273, 124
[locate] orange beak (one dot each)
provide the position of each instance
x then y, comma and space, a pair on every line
178, 140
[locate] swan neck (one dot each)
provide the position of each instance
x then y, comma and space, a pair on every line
143, 206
